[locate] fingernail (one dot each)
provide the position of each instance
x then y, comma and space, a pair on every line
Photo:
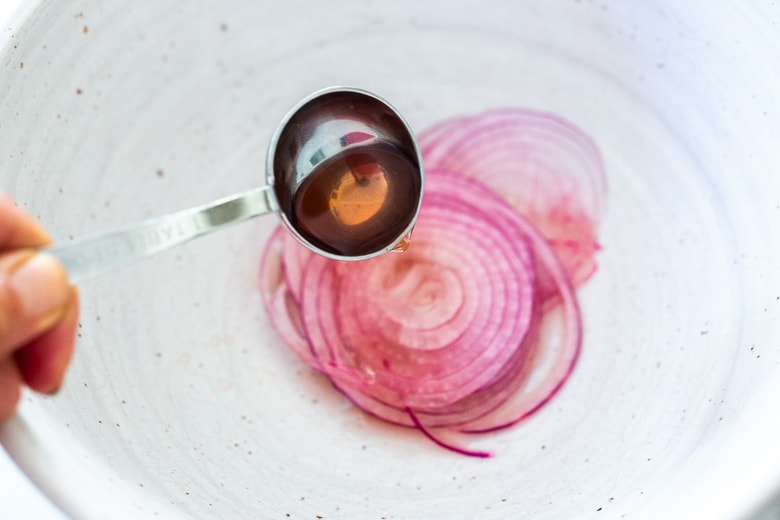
41, 285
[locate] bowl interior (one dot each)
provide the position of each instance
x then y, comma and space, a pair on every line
181, 399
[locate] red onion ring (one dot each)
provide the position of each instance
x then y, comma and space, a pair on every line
476, 326
544, 166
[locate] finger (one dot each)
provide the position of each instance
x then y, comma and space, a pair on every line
10, 388
33, 292
43, 361
17, 228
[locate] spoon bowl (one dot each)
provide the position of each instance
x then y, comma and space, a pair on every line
346, 174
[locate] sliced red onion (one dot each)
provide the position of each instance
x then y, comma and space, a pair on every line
476, 326
544, 166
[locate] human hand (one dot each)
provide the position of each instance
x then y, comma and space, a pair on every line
38, 310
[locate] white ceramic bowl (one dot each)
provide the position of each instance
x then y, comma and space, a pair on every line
181, 401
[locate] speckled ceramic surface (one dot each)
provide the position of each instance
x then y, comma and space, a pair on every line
181, 401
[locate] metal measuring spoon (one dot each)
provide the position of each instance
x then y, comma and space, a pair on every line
343, 171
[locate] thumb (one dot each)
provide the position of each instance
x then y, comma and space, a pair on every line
33, 295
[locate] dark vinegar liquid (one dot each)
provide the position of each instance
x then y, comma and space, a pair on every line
358, 202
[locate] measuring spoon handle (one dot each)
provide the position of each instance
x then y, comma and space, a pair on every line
93, 255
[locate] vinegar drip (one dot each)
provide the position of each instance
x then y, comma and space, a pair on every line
358, 202
403, 245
